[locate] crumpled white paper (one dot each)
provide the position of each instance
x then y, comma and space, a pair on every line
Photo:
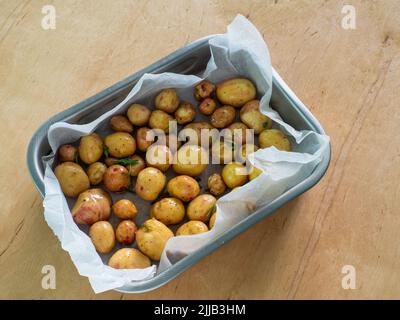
241, 51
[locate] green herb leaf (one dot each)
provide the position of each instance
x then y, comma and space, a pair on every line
266, 125
105, 150
126, 162
210, 212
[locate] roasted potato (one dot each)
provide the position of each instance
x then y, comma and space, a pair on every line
152, 237
251, 116
72, 178
138, 114
234, 175
168, 211
223, 117
236, 92
116, 178
121, 123
134, 169
160, 120
167, 100
245, 150
90, 148
149, 183
120, 144
254, 173
185, 113
203, 90
222, 152
96, 172
129, 258
212, 220
238, 132
276, 138
144, 138
159, 156
216, 184
102, 235
124, 209
195, 133
207, 106
67, 153
191, 160
191, 227
183, 187
125, 232
91, 206
201, 208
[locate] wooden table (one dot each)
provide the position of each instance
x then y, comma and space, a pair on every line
350, 79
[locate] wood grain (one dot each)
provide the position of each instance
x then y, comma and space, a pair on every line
348, 78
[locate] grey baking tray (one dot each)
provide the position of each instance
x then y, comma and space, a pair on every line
191, 59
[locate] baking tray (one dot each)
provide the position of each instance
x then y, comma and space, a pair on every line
191, 59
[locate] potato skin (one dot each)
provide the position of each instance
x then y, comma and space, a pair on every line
238, 132
216, 184
168, 211
91, 206
183, 187
196, 134
125, 232
120, 144
102, 235
251, 116
149, 183
276, 138
129, 258
68, 153
191, 227
191, 160
116, 178
207, 106
134, 169
96, 172
236, 92
234, 175
142, 143
109, 161
254, 173
124, 209
223, 117
152, 237
138, 114
167, 100
203, 90
90, 148
222, 152
121, 124
160, 120
245, 150
212, 221
185, 113
159, 156
201, 208
72, 178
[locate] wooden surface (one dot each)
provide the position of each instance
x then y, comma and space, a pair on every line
350, 79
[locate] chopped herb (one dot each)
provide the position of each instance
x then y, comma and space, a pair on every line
126, 162
266, 125
210, 212
105, 150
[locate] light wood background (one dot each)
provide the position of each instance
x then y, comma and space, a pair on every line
350, 79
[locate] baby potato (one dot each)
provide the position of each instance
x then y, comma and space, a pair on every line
116, 178
121, 123
234, 174
212, 220
216, 184
134, 169
72, 178
236, 92
120, 144
102, 235
168, 211
160, 120
223, 117
201, 208
173, 143
222, 152
90, 148
191, 160
96, 172
167, 100
144, 138
109, 161
276, 138
159, 156
195, 131
67, 153
207, 106
125, 232
191, 227
238, 132
254, 173
245, 150
129, 258
183, 187
91, 206
149, 183
185, 113
138, 114
251, 115
203, 90
124, 209
152, 237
